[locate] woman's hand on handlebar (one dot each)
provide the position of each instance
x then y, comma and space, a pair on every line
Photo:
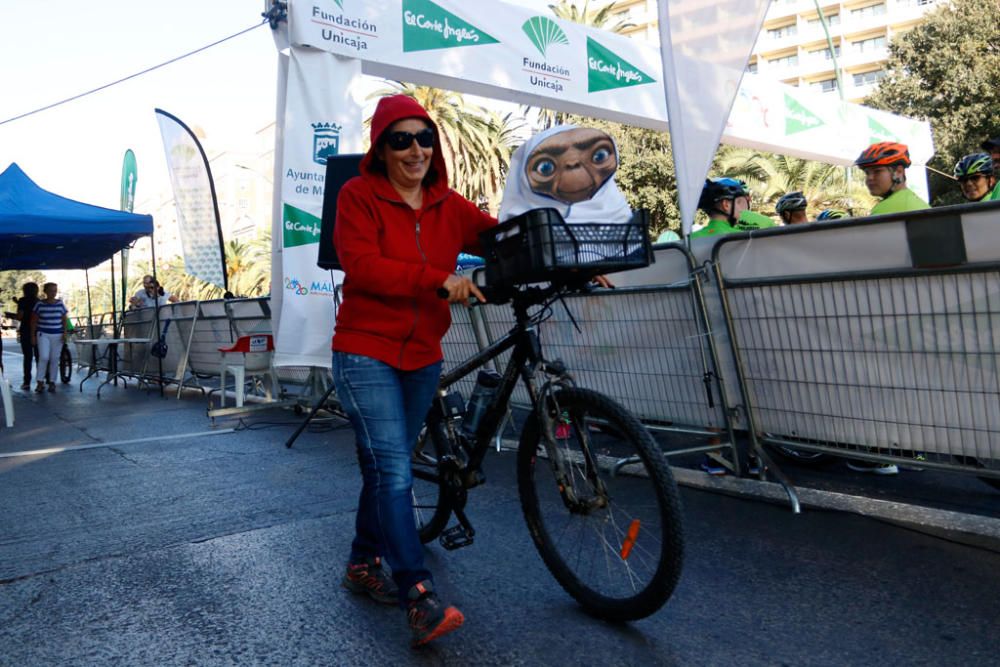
459, 289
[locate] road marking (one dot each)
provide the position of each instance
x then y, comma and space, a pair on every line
96, 445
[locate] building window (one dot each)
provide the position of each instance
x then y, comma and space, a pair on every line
869, 45
869, 78
783, 31
869, 11
786, 61
824, 54
752, 68
826, 85
831, 19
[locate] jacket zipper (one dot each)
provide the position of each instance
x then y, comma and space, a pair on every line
415, 304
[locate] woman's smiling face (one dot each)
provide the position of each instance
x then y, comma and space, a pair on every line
407, 167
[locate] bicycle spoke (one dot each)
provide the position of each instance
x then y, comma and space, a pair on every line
607, 540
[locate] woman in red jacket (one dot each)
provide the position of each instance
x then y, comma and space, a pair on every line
398, 234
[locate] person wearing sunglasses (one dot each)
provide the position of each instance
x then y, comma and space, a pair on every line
399, 232
974, 174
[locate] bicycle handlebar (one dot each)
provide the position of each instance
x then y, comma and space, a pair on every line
532, 295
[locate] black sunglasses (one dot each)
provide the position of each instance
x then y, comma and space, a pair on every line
400, 141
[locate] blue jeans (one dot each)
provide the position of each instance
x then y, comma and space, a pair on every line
386, 407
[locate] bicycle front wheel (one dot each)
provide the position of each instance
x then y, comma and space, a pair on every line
610, 529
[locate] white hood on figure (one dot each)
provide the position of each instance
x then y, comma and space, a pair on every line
570, 169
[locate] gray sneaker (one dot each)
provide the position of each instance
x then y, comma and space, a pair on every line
370, 578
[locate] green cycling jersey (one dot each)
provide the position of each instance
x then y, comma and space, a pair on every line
900, 201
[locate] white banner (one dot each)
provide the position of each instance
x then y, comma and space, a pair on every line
513, 53
321, 118
702, 69
770, 116
194, 198
491, 49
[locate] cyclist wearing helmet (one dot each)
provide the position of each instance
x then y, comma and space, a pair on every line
974, 174
831, 214
791, 208
992, 146
885, 166
724, 199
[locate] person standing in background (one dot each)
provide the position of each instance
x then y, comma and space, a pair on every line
25, 307
48, 332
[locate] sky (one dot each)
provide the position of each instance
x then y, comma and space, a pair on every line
54, 49
51, 50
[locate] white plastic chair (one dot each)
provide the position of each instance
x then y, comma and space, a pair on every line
252, 356
8, 402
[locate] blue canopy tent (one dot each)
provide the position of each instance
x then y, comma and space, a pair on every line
41, 230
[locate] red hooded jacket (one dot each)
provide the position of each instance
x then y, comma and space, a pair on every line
395, 257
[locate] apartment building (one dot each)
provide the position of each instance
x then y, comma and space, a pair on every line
793, 47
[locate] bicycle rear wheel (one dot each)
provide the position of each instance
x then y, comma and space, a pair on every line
615, 544
430, 505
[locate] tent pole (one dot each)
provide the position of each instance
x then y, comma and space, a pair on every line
114, 312
156, 307
90, 311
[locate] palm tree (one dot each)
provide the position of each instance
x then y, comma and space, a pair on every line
248, 269
596, 18
770, 176
476, 143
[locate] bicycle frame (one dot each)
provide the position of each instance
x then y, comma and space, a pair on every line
525, 358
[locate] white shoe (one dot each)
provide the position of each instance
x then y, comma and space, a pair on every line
874, 468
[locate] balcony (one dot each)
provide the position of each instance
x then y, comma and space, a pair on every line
780, 9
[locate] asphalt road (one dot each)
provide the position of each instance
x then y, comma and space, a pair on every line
227, 549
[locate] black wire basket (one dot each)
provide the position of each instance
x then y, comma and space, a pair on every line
539, 246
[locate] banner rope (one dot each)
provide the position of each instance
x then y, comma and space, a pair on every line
132, 76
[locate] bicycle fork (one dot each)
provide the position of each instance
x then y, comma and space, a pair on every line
558, 455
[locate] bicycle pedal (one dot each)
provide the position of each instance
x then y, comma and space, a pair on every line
456, 537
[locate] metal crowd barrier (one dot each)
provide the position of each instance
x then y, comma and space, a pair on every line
888, 353
873, 339
644, 346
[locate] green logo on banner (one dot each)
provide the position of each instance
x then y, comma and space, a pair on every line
340, 3
427, 26
798, 118
300, 228
880, 132
606, 70
544, 31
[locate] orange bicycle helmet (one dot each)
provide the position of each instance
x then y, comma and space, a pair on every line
884, 154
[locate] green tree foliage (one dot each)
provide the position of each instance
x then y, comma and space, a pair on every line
476, 143
10, 285
645, 172
248, 269
947, 71
596, 17
770, 176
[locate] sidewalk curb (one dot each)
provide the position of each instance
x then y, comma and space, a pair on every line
969, 529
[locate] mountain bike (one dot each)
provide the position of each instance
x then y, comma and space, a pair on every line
598, 496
